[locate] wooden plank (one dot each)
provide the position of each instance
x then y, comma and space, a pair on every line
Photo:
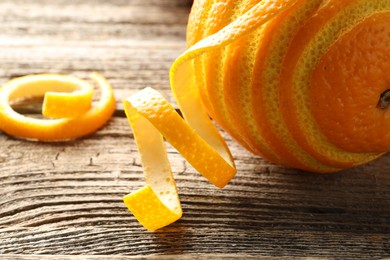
65, 198
162, 257
128, 68
132, 43
58, 200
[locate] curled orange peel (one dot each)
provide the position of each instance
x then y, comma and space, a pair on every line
196, 138
67, 103
152, 117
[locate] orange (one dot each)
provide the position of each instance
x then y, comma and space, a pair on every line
303, 89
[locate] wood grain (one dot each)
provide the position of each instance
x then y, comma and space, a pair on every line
133, 44
162, 257
58, 200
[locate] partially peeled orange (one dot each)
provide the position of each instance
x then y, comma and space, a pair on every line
303, 83
306, 89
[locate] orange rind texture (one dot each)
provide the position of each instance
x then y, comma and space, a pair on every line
268, 89
67, 103
152, 118
149, 209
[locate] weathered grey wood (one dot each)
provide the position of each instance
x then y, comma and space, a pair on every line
65, 199
132, 43
163, 257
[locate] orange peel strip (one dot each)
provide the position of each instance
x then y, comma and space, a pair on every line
196, 137
67, 99
157, 204
151, 118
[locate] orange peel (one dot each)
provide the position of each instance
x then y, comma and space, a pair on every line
152, 117
195, 137
67, 101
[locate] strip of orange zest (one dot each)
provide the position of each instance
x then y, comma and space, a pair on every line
66, 98
157, 204
196, 138
152, 117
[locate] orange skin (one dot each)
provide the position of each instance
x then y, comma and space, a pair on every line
345, 88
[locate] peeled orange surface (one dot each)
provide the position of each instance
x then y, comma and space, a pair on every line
304, 89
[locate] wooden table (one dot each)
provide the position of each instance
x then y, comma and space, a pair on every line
66, 198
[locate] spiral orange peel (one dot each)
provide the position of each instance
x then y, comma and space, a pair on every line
67, 103
195, 137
